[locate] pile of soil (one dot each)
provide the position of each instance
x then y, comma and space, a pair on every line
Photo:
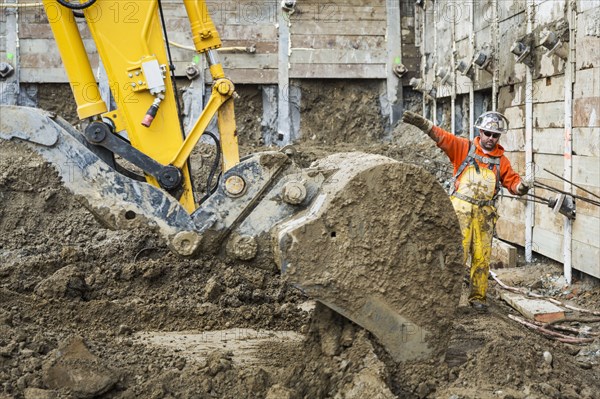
92, 313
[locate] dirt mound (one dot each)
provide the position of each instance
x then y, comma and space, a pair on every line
117, 308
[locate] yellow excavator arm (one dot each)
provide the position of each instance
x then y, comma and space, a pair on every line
131, 46
343, 230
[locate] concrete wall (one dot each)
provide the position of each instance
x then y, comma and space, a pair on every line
568, 147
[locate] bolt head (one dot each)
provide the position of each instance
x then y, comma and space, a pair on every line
294, 192
235, 185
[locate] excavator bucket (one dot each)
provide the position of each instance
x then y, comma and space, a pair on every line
374, 239
379, 245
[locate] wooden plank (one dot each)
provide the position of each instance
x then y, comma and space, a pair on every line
364, 28
230, 12
511, 231
546, 219
514, 140
547, 243
587, 35
463, 84
586, 171
335, 71
533, 309
503, 254
48, 75
258, 33
483, 14
548, 65
511, 224
547, 12
510, 8
356, 42
586, 141
588, 55
249, 61
512, 95
261, 47
515, 116
511, 29
549, 89
549, 114
587, 83
342, 56
246, 76
517, 161
330, 12
586, 112
586, 229
549, 141
34, 31
586, 258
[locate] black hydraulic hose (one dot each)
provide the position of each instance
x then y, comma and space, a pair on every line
76, 6
217, 161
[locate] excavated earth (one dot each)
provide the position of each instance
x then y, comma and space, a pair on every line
86, 312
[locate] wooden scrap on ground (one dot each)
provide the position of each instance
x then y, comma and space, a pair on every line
534, 309
503, 253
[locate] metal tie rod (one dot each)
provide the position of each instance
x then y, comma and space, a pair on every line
573, 184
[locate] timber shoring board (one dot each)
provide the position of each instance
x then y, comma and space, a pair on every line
534, 309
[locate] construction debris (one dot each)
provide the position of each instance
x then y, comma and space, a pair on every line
534, 309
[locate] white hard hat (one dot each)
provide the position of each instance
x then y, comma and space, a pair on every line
492, 121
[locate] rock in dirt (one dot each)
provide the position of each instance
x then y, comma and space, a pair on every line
36, 393
278, 392
74, 368
67, 282
212, 290
218, 361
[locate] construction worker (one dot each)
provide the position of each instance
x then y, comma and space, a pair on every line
480, 167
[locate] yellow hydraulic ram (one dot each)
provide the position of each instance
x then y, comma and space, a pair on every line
129, 40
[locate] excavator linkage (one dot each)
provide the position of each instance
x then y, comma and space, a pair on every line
365, 235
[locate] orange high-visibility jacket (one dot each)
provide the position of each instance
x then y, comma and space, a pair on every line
457, 149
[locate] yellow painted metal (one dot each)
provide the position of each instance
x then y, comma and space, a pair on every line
204, 34
75, 60
116, 119
128, 34
228, 134
218, 98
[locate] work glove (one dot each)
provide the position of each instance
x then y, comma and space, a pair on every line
523, 187
417, 120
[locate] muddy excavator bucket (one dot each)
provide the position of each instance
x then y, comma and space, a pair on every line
374, 239
379, 245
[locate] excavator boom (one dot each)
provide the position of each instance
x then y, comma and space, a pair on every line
345, 230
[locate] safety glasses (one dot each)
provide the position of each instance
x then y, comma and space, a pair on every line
490, 134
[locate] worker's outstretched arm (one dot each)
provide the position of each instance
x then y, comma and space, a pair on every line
417, 120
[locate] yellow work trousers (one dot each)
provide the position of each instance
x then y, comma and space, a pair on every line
477, 226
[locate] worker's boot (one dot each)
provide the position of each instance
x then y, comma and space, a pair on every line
478, 306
